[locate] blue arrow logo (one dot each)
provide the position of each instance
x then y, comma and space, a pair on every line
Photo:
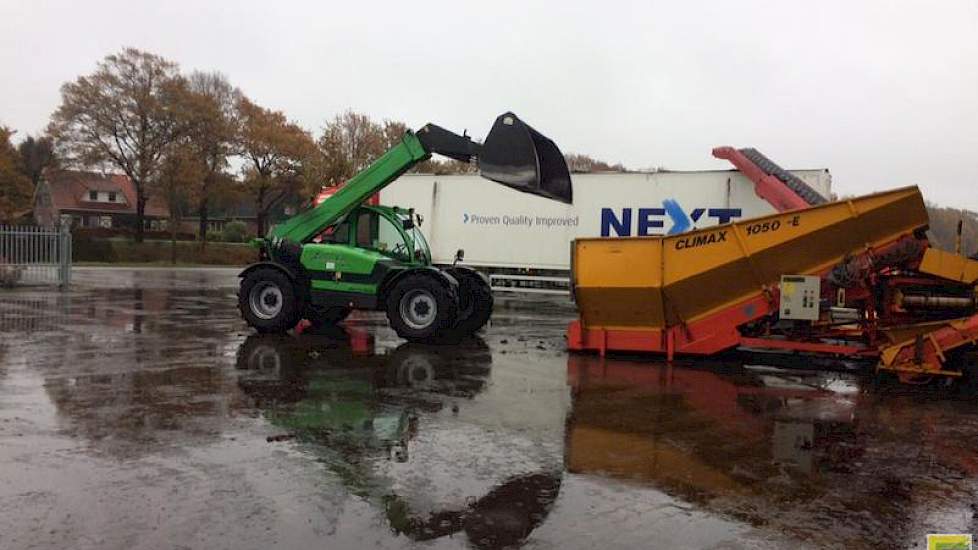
680, 221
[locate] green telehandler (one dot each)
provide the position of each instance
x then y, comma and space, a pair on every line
345, 254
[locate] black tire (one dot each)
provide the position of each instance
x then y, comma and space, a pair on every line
475, 301
264, 353
420, 308
271, 369
268, 301
415, 366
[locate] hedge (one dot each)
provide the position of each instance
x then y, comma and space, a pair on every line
127, 232
87, 249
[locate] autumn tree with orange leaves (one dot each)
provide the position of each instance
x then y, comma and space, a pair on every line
277, 154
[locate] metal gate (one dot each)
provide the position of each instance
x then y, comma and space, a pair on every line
31, 255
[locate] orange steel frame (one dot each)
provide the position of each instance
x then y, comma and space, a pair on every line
720, 331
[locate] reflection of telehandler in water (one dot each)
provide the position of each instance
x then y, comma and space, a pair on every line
354, 408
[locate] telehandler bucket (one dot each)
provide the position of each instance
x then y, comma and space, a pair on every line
516, 155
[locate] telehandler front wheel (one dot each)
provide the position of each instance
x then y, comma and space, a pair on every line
267, 300
420, 308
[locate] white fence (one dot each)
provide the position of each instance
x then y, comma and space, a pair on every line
32, 255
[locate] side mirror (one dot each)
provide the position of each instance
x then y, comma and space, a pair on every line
459, 256
419, 218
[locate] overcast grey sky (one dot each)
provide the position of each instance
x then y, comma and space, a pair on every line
882, 93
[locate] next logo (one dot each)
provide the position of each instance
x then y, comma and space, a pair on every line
648, 221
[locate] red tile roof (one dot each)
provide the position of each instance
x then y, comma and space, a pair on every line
69, 191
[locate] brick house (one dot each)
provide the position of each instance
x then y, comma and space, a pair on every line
92, 199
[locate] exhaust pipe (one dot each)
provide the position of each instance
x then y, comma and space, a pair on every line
516, 155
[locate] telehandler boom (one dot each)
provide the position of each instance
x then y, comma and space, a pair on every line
345, 254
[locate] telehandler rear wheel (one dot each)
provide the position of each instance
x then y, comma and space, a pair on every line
267, 300
474, 302
420, 308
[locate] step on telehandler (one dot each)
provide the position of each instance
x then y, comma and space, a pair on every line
346, 254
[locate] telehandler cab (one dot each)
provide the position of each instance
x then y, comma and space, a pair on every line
345, 254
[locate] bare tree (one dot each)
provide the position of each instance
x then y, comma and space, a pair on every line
332, 165
209, 112
121, 115
277, 153
350, 142
181, 171
583, 164
393, 131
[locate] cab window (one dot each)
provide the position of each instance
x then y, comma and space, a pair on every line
379, 233
339, 234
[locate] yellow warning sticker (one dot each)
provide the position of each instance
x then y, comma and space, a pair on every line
949, 542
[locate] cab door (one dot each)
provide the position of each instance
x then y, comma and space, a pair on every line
382, 235
357, 255
327, 256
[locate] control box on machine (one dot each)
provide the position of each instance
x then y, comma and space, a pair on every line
800, 297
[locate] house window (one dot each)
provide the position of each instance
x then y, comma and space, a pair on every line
93, 195
105, 221
111, 196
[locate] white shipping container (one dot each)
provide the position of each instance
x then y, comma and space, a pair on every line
502, 228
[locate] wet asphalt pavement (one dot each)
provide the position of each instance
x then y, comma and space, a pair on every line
138, 411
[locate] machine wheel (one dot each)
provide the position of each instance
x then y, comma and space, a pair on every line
420, 308
474, 301
267, 300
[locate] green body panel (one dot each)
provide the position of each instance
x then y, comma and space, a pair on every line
340, 286
342, 267
375, 177
339, 258
347, 267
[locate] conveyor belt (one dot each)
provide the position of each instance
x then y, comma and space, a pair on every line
809, 195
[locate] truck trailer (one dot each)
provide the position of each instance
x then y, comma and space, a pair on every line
505, 233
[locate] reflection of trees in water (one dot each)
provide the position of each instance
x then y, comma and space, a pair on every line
131, 413
3, 359
139, 377
158, 311
129, 367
